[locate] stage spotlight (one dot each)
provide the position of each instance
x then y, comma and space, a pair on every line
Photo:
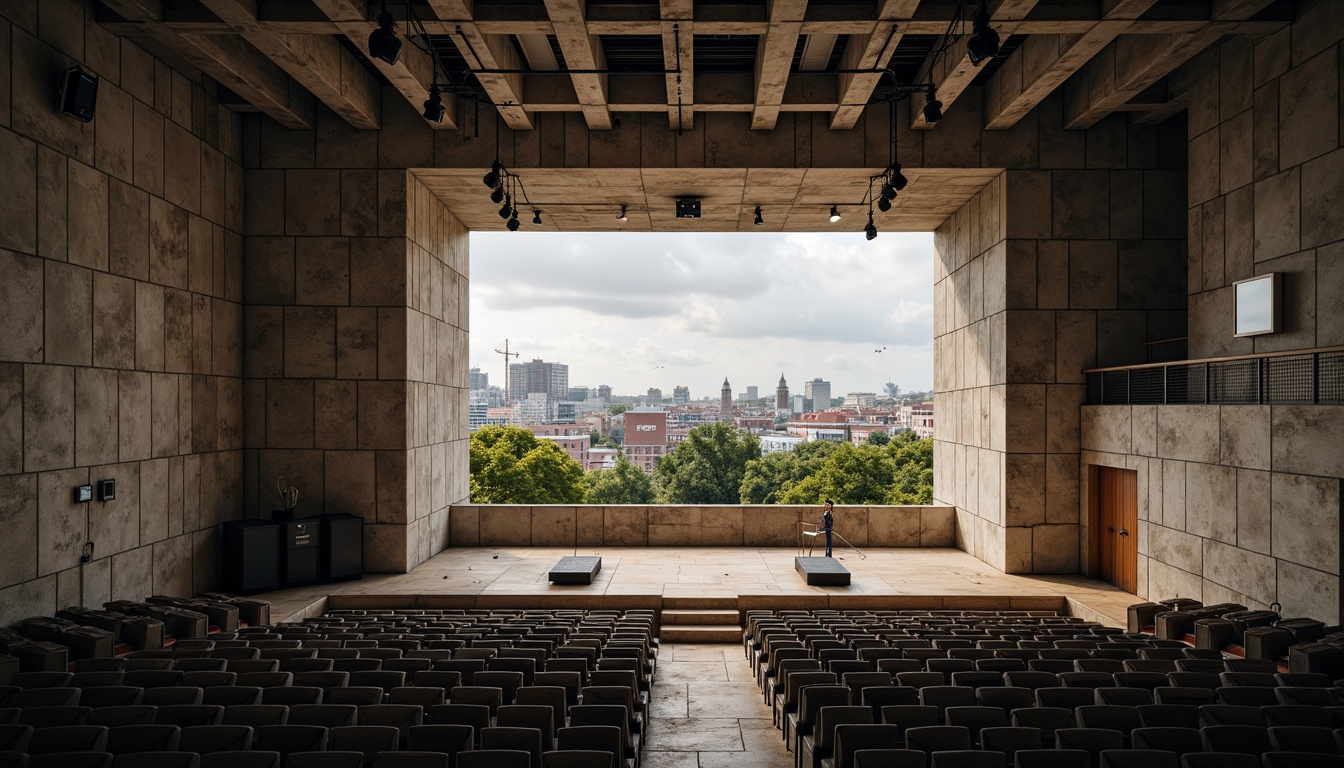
984, 41
883, 204
759, 218
513, 223
933, 111
898, 179
383, 42
835, 214
497, 195
622, 218
434, 109
507, 210
491, 178
536, 217
888, 191
870, 231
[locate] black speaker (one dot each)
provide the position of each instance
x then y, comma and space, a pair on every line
342, 547
300, 549
79, 92
251, 555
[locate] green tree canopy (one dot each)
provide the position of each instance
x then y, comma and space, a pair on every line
623, 484
618, 409
708, 467
900, 472
913, 481
767, 477
879, 438
511, 466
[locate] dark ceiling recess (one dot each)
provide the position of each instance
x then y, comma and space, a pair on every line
832, 62
725, 53
633, 53
1006, 49
909, 57
362, 58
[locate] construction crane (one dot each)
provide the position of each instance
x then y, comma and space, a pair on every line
507, 354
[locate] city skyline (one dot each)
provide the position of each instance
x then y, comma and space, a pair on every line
705, 306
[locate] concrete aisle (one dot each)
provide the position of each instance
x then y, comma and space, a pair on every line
706, 712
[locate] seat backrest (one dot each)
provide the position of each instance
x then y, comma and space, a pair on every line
577, 758
850, 738
1010, 739
937, 738
1138, 758
68, 738
1053, 758
216, 738
1170, 739
496, 758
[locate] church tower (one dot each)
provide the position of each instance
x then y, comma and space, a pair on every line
782, 395
726, 402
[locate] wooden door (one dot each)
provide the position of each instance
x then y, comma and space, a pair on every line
1114, 539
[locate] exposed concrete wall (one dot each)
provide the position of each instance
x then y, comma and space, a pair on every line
1242, 502
1041, 275
1236, 502
1267, 180
355, 337
634, 525
121, 303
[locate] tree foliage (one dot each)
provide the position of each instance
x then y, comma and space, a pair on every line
767, 477
618, 409
624, 484
511, 466
708, 467
879, 438
899, 472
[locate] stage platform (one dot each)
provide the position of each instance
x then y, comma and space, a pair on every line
709, 578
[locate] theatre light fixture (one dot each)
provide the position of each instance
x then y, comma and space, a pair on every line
759, 219
536, 217
434, 109
622, 217
933, 109
835, 214
983, 44
384, 43
870, 230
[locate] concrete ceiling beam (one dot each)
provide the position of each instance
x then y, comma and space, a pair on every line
774, 59
487, 51
678, 30
582, 52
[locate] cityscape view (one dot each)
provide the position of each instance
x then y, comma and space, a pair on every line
633, 382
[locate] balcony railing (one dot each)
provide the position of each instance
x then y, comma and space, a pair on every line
1302, 377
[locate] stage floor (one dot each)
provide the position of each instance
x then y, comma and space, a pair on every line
683, 577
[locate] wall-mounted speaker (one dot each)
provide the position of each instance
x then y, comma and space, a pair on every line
79, 92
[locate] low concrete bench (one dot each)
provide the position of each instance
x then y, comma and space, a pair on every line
577, 570
822, 571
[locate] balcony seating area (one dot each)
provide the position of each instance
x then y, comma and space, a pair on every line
352, 688
1031, 689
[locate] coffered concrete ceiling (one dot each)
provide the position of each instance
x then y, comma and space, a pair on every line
791, 199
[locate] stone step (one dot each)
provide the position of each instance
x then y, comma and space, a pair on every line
687, 603
700, 633
714, 616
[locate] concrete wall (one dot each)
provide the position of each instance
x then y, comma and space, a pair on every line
1042, 274
1242, 502
355, 337
121, 301
515, 525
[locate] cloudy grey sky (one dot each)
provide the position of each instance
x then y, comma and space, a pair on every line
640, 310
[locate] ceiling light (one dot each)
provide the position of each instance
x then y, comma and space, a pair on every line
898, 179
434, 109
883, 204
513, 222
536, 217
621, 218
497, 196
759, 219
870, 231
888, 191
491, 178
983, 44
507, 210
383, 42
933, 111
835, 214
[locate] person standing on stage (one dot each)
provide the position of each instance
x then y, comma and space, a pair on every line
827, 520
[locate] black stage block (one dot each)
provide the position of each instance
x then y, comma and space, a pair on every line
822, 571
575, 570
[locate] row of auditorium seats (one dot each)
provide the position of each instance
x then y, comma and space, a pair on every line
848, 692
364, 688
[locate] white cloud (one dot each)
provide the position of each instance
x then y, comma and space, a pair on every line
636, 310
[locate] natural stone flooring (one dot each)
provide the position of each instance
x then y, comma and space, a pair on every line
706, 712
714, 577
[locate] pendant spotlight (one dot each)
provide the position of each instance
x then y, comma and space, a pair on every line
497, 195
870, 230
898, 180
384, 43
835, 214
536, 217
506, 211
513, 222
883, 204
434, 109
622, 217
491, 178
983, 44
759, 219
933, 109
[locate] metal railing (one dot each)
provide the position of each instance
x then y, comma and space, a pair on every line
1304, 377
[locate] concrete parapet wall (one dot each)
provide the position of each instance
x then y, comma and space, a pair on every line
491, 525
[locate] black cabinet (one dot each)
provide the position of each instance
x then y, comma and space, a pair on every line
250, 555
342, 547
300, 551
